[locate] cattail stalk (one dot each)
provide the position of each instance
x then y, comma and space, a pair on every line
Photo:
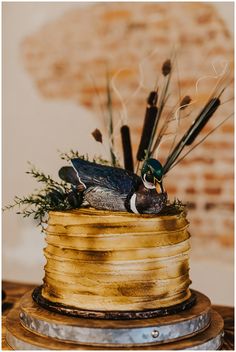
183, 105
110, 127
127, 148
149, 122
166, 71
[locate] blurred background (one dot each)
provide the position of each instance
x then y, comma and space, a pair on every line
55, 59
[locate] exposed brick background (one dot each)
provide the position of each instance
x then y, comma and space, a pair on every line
67, 55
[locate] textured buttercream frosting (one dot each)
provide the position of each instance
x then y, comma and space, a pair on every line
102, 260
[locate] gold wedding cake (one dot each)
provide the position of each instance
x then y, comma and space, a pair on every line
119, 277
115, 280
116, 261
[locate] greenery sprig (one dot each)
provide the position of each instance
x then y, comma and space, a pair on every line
72, 155
173, 208
96, 159
53, 196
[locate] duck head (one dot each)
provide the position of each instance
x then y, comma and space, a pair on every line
152, 175
150, 197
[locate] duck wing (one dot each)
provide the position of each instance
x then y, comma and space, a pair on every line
96, 175
93, 175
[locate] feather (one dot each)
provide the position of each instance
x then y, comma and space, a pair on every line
202, 120
192, 132
202, 140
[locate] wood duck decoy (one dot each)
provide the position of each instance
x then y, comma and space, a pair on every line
116, 189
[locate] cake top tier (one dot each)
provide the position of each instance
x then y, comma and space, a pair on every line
172, 219
83, 228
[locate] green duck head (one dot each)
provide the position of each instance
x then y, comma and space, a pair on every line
152, 174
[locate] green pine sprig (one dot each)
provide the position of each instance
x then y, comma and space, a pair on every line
173, 208
51, 197
96, 158
72, 154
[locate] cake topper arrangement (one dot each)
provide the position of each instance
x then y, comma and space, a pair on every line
105, 185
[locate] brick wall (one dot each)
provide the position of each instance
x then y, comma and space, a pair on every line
66, 57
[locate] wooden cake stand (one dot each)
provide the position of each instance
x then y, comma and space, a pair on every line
32, 327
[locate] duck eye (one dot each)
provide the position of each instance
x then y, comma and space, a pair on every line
149, 176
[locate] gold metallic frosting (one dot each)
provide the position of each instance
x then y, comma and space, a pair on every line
102, 260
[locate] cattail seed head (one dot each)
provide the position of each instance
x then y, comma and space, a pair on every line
97, 135
166, 67
185, 102
152, 98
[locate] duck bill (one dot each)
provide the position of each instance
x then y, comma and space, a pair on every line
159, 186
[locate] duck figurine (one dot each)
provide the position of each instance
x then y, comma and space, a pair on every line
116, 189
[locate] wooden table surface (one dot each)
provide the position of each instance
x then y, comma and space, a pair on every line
14, 291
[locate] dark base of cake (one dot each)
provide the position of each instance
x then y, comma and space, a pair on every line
31, 327
113, 315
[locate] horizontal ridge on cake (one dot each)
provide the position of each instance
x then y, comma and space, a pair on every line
114, 261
